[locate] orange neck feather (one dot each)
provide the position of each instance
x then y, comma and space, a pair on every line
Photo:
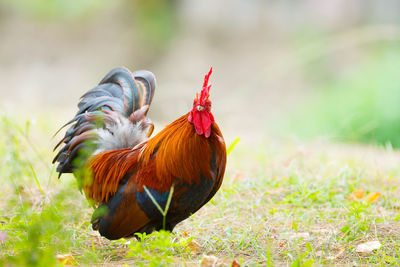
181, 153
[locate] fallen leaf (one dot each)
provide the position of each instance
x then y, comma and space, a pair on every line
209, 261
357, 194
368, 247
66, 259
338, 254
186, 234
194, 246
235, 264
373, 196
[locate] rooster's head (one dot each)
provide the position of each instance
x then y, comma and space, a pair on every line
201, 115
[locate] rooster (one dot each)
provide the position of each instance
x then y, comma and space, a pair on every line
131, 178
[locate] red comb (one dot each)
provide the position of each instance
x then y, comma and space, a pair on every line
206, 78
206, 88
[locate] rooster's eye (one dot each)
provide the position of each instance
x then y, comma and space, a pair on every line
199, 108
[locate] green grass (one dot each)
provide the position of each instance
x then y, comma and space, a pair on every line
281, 203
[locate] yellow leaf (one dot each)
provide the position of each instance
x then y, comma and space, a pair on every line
67, 259
194, 247
373, 196
357, 194
209, 261
339, 253
212, 261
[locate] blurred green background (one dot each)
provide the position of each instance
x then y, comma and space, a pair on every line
292, 69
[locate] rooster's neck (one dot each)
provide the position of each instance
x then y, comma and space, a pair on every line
179, 152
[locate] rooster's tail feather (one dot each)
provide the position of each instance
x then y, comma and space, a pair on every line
119, 103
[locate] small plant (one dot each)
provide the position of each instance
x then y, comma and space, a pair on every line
358, 220
165, 211
158, 249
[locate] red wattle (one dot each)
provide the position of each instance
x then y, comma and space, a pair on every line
197, 123
206, 124
202, 122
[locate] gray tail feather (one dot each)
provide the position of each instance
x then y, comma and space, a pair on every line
120, 91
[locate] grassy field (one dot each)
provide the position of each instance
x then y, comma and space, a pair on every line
281, 203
